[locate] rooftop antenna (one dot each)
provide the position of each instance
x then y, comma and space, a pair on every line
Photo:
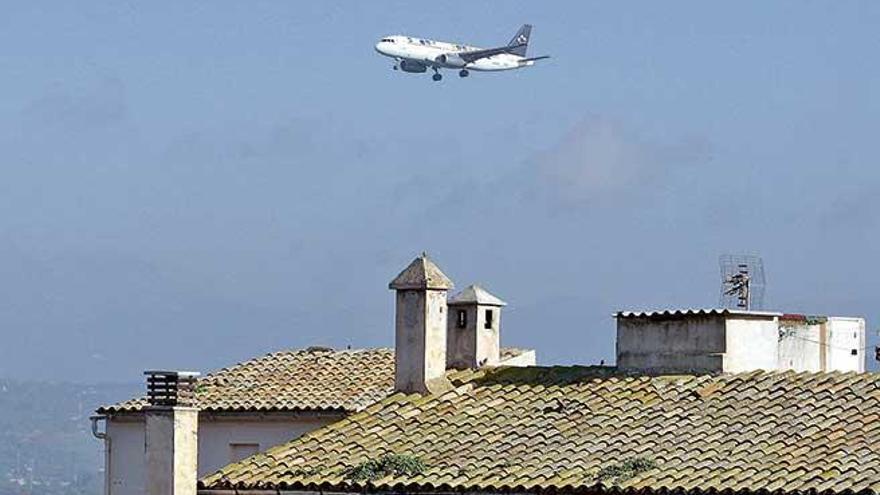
742, 282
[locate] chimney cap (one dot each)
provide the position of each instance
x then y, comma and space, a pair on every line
474, 294
422, 273
173, 373
170, 388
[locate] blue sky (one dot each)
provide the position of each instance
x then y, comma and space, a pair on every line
192, 184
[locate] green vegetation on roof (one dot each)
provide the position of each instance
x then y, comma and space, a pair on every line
624, 470
388, 464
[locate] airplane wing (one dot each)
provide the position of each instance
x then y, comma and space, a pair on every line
535, 59
475, 55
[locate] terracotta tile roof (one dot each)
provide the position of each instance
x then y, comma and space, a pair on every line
315, 379
570, 429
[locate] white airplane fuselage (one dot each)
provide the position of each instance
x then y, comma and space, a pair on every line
421, 54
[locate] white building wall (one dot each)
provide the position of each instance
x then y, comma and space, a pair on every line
217, 437
525, 358
801, 345
126, 466
752, 344
687, 342
846, 344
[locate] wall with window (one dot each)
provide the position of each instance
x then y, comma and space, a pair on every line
226, 440
222, 439
473, 339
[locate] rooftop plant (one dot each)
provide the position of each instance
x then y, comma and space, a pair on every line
624, 470
387, 464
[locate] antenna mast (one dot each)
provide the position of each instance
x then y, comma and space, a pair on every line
742, 282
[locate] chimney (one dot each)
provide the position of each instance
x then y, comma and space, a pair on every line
172, 424
420, 326
473, 338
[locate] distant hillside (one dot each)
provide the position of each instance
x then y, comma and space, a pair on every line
46, 444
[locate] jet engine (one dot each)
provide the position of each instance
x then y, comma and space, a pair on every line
410, 66
451, 59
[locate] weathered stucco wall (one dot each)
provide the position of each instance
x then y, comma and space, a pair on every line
752, 344
126, 469
694, 343
170, 450
461, 343
475, 345
419, 338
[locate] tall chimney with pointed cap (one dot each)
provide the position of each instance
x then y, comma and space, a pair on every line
420, 326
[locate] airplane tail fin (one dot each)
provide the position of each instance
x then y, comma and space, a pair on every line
520, 41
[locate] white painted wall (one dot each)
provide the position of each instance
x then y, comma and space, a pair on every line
845, 336
215, 437
126, 469
126, 466
752, 344
525, 358
739, 342
800, 345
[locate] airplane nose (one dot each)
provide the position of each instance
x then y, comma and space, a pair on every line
379, 47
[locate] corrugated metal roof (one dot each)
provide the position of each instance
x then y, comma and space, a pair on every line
679, 312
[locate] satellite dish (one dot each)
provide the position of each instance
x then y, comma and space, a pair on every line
742, 282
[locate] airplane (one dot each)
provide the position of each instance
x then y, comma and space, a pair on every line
418, 54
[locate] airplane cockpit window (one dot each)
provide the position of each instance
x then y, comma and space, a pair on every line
388, 40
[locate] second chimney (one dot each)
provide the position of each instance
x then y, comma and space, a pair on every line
473, 337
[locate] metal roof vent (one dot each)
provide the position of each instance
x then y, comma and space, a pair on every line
171, 388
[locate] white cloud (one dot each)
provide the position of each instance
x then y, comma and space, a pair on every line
599, 159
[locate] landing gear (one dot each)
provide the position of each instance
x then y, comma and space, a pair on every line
437, 76
396, 64
463, 73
